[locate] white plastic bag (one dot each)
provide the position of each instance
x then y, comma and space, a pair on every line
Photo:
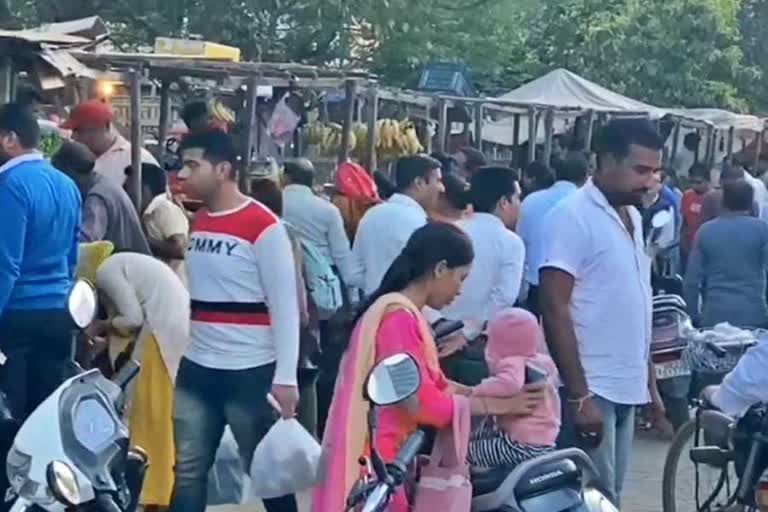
227, 482
283, 121
285, 461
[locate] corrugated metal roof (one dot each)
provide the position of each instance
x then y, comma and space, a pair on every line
38, 37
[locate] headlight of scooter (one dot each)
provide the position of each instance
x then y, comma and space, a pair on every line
62, 482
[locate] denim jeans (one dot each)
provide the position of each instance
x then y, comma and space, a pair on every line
205, 401
611, 457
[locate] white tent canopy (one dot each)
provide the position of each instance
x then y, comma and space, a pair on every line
721, 119
563, 89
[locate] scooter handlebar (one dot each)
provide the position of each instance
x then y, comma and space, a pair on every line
409, 450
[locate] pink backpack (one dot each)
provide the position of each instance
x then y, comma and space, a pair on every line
444, 482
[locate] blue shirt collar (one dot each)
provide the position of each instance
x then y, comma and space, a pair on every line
28, 157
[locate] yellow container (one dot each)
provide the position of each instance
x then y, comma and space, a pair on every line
192, 48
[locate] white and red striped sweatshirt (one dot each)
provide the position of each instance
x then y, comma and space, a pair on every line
242, 283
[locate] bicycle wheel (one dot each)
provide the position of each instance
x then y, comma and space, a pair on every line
678, 486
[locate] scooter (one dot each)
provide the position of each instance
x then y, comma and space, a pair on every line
557, 482
72, 453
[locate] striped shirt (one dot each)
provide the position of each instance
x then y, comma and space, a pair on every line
242, 284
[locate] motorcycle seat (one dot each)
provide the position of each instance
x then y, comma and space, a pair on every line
486, 482
556, 474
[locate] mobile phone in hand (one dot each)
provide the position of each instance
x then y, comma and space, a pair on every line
534, 374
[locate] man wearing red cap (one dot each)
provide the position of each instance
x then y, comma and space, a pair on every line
91, 124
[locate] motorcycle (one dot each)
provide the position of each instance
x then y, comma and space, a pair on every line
668, 344
557, 482
72, 453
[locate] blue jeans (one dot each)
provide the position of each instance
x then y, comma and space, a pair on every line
205, 401
611, 457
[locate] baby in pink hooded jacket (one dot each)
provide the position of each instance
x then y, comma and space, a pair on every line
515, 340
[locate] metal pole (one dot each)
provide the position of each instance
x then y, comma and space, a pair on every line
373, 114
136, 142
165, 114
479, 126
442, 124
708, 149
350, 94
250, 122
532, 128
549, 132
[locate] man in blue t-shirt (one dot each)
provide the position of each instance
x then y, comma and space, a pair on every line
38, 253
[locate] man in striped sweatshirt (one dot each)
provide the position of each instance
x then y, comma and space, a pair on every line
245, 322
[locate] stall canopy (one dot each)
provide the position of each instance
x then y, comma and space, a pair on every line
720, 119
564, 90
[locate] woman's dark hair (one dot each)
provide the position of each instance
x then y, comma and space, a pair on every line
428, 246
456, 190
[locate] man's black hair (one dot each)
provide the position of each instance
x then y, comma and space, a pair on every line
540, 173
217, 146
447, 162
409, 168
383, 184
153, 177
573, 169
475, 158
194, 110
489, 185
19, 119
300, 171
73, 158
738, 196
691, 141
731, 173
617, 136
700, 170
456, 190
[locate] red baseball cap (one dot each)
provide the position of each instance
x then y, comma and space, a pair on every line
90, 113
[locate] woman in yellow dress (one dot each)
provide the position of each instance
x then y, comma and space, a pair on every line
147, 301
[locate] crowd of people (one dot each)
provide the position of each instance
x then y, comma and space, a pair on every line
288, 293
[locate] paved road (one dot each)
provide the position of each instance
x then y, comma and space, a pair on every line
643, 486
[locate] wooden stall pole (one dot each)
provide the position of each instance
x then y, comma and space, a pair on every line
758, 150
428, 136
549, 133
252, 97
533, 124
729, 151
136, 142
675, 140
516, 132
589, 131
479, 126
6, 79
442, 125
710, 133
373, 114
165, 115
350, 95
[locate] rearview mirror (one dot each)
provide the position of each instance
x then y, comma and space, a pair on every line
82, 303
661, 219
393, 380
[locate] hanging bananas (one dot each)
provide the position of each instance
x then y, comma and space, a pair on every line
393, 138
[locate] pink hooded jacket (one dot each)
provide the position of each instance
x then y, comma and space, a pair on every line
514, 339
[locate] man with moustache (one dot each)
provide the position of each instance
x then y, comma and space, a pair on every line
596, 299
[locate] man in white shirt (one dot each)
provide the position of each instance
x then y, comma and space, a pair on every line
91, 123
497, 270
571, 174
384, 229
316, 220
244, 334
596, 299
746, 385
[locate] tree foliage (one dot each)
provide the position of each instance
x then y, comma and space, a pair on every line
667, 52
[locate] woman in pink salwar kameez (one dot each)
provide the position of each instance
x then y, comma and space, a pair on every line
428, 272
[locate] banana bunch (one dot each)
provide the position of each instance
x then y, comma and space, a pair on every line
397, 138
315, 133
360, 132
331, 141
220, 112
